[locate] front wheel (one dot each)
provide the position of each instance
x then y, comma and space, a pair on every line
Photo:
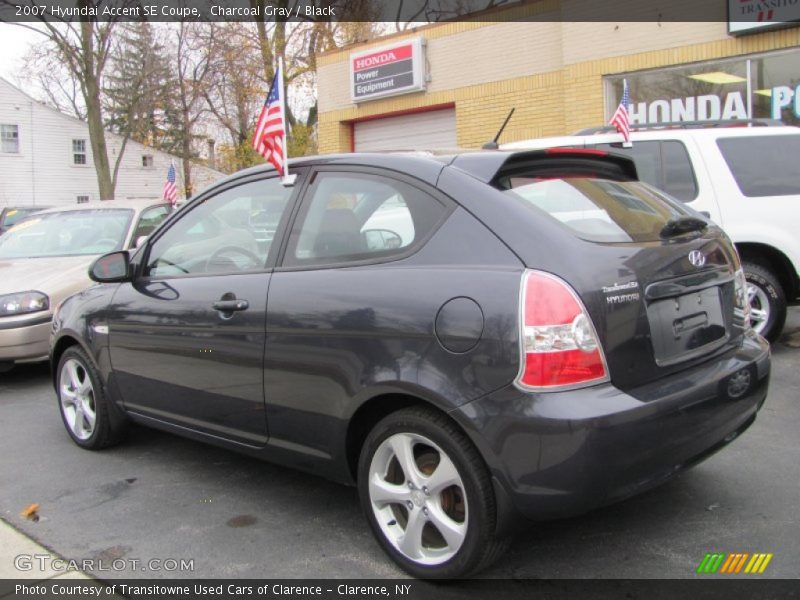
767, 301
427, 495
89, 417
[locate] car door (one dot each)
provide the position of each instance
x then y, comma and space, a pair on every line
338, 313
186, 337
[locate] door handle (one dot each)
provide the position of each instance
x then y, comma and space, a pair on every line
229, 306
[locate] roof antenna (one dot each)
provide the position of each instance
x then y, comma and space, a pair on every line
493, 144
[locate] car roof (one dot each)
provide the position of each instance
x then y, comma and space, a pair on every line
138, 204
426, 165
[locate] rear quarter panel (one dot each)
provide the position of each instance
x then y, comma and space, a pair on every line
340, 337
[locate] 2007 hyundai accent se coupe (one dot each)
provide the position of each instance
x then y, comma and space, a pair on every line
471, 339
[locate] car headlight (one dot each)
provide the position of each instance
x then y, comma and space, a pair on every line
23, 302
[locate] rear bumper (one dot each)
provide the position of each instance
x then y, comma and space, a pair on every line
560, 454
25, 339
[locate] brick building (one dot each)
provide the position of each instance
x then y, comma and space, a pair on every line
452, 84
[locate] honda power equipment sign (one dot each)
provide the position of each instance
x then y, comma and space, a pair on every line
388, 70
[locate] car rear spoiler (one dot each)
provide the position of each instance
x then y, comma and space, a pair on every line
548, 163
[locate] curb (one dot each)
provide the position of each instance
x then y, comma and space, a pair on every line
23, 558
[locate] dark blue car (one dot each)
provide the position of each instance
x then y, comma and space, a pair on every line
473, 340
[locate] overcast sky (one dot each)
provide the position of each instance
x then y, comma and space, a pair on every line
14, 43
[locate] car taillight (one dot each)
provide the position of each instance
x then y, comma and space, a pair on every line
560, 347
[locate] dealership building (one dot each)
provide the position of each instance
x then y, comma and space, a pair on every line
452, 84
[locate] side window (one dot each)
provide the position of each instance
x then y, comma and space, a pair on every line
646, 155
349, 217
763, 165
679, 179
148, 220
663, 164
222, 234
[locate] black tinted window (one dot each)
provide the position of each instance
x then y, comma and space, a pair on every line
678, 175
664, 164
349, 217
763, 165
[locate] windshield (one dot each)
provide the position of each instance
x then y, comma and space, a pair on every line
600, 210
68, 233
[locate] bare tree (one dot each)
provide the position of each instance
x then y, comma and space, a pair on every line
84, 49
62, 91
235, 84
194, 60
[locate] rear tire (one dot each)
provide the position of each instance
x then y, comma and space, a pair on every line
767, 301
428, 496
91, 420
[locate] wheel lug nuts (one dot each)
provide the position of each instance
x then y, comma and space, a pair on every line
410, 504
410, 485
425, 511
425, 490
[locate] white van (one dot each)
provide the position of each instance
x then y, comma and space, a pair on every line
747, 179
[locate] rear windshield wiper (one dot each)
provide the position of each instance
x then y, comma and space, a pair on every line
681, 225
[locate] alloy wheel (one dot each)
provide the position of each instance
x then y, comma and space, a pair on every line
759, 307
418, 498
77, 399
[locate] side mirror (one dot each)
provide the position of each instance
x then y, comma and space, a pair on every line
140, 241
113, 267
381, 239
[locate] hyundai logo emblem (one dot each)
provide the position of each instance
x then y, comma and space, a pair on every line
697, 258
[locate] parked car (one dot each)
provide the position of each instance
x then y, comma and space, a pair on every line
744, 178
548, 336
45, 257
11, 214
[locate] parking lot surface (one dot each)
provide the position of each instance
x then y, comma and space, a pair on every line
161, 498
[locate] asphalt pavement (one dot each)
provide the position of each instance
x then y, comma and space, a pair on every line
162, 506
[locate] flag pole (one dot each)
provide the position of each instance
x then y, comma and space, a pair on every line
627, 143
286, 179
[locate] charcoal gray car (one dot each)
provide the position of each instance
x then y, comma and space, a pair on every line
474, 340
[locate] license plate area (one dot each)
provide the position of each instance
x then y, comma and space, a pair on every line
686, 326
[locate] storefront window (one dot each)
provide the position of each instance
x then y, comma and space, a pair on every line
779, 75
714, 90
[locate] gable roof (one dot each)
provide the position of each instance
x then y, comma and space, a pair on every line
75, 119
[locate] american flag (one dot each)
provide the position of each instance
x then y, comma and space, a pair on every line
620, 117
170, 189
270, 135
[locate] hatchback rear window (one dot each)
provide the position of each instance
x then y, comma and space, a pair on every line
763, 165
600, 210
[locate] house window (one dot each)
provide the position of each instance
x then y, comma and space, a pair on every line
147, 161
83, 199
79, 152
9, 138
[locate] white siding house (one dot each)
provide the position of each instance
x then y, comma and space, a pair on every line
46, 158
